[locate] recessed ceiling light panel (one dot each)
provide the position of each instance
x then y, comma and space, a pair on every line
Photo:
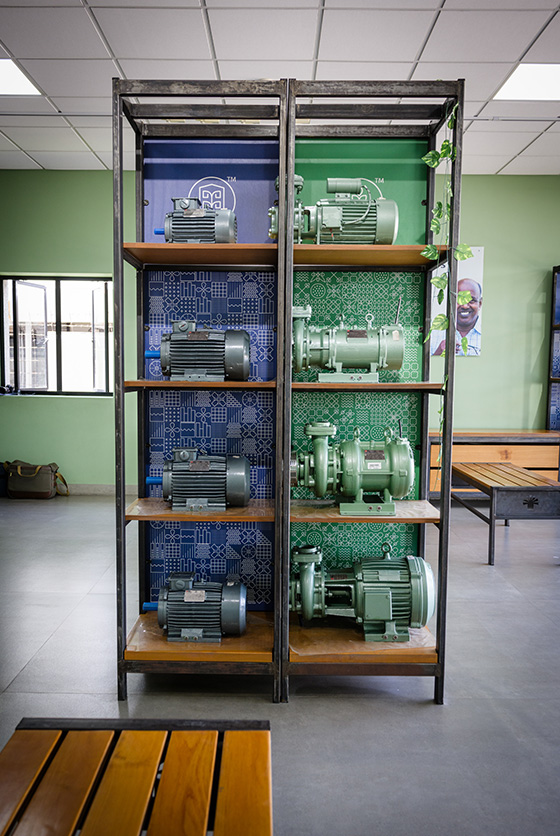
13, 82
532, 82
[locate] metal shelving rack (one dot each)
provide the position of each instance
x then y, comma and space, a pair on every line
414, 109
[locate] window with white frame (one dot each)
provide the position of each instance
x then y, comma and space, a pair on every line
56, 335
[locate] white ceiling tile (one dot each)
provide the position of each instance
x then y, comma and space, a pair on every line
16, 159
480, 35
484, 5
363, 34
548, 144
555, 126
98, 139
73, 78
38, 121
45, 139
383, 4
84, 104
6, 144
546, 48
50, 33
267, 34
40, 3
268, 4
154, 33
129, 161
526, 110
246, 70
481, 142
503, 126
195, 4
484, 165
90, 121
172, 70
3, 53
472, 109
68, 160
481, 79
363, 71
25, 104
533, 165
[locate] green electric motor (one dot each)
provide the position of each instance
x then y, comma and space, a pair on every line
370, 473
386, 594
352, 216
372, 348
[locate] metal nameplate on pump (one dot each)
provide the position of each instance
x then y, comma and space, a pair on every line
357, 333
194, 596
199, 466
374, 455
198, 336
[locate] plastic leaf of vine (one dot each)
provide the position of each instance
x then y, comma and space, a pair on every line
432, 158
437, 211
440, 323
462, 252
435, 226
440, 297
430, 251
464, 297
465, 345
440, 281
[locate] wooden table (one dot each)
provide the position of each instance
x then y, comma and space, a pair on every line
515, 494
109, 777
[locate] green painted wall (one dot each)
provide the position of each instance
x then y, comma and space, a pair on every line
61, 221
517, 221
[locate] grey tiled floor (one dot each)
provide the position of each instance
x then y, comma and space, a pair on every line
350, 755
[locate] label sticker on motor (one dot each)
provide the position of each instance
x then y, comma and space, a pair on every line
374, 465
194, 596
396, 335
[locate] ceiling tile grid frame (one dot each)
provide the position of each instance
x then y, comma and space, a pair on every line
72, 48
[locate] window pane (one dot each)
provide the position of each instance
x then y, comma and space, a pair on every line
34, 337
8, 347
82, 315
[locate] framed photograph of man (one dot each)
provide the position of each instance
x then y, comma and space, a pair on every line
468, 313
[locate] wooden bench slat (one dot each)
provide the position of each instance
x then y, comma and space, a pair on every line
502, 475
121, 801
63, 792
244, 804
21, 760
183, 796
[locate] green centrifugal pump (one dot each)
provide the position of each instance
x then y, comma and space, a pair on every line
371, 473
372, 348
386, 594
352, 216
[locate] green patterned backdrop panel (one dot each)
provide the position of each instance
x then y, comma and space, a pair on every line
353, 296
343, 544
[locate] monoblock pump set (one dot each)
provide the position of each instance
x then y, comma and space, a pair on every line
367, 473
387, 595
188, 353
342, 347
190, 610
191, 222
352, 216
193, 481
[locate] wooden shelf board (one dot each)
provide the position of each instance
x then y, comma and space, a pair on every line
408, 511
147, 642
219, 255
399, 386
135, 385
376, 255
155, 508
345, 644
226, 255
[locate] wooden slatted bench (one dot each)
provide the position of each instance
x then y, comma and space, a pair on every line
109, 777
515, 494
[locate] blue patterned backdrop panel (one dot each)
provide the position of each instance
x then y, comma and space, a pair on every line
217, 301
554, 417
215, 552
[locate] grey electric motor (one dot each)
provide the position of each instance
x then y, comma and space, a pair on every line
192, 223
193, 481
193, 611
191, 354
